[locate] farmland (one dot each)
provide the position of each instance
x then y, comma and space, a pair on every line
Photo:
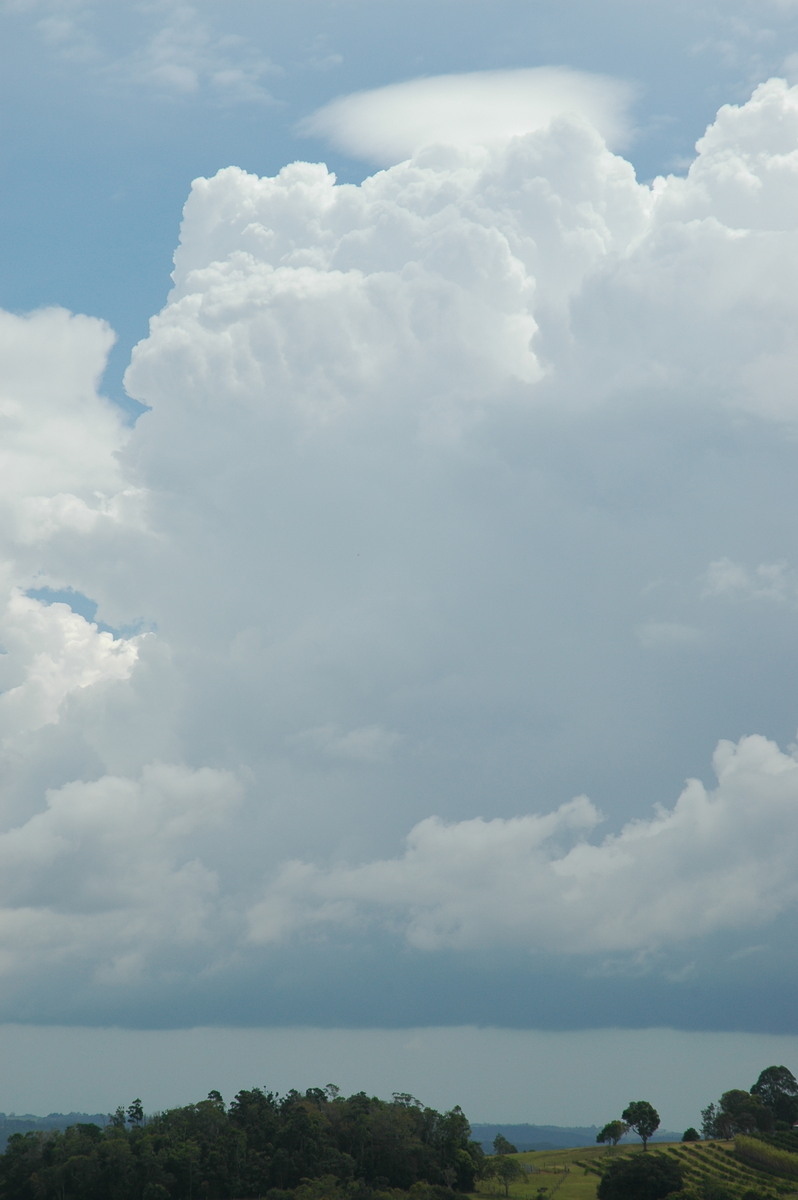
712, 1171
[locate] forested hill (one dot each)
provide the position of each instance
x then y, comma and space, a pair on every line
549, 1137
339, 1148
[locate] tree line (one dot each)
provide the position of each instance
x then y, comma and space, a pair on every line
300, 1146
770, 1104
768, 1107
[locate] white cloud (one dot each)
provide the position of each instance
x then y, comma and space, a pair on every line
767, 581
392, 123
50, 652
58, 437
745, 173
168, 47
415, 450
184, 54
62, 493
720, 859
105, 876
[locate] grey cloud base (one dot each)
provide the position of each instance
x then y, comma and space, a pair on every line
461, 493
380, 984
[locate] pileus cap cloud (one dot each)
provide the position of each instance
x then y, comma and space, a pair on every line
389, 124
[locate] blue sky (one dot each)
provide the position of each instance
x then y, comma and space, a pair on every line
98, 154
423, 657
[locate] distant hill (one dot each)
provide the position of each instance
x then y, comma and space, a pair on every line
11, 1123
552, 1137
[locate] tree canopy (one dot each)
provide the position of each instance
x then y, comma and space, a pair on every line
262, 1143
771, 1104
648, 1177
505, 1168
612, 1132
643, 1118
777, 1088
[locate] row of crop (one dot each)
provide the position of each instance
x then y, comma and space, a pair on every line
765, 1157
712, 1169
752, 1169
723, 1164
784, 1139
703, 1171
707, 1175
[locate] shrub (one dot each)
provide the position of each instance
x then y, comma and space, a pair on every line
644, 1177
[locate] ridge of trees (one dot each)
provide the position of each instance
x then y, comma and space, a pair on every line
770, 1104
262, 1144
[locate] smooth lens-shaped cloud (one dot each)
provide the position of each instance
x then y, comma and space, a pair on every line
390, 124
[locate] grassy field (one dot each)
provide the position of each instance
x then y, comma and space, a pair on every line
564, 1174
711, 1173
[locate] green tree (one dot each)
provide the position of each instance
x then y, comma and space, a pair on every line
740, 1112
643, 1118
643, 1177
135, 1113
777, 1088
691, 1135
504, 1168
612, 1132
502, 1146
116, 1119
709, 1122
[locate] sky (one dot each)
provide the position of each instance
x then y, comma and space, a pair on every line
398, 578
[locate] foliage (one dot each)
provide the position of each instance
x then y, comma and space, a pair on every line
691, 1135
736, 1112
504, 1168
502, 1146
135, 1113
772, 1103
709, 1121
612, 1132
777, 1088
312, 1145
642, 1117
746, 1111
642, 1177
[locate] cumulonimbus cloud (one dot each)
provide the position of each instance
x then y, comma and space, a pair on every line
418, 521
388, 124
